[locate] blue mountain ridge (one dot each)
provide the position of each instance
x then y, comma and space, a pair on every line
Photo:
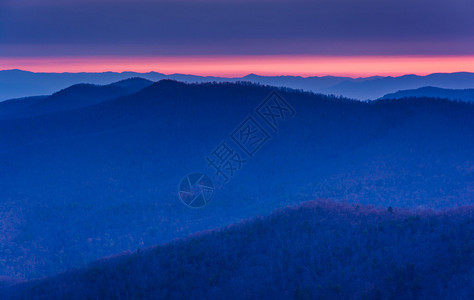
434, 92
73, 97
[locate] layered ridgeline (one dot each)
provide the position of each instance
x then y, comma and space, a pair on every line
84, 183
18, 83
319, 250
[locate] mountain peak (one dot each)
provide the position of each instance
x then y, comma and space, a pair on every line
133, 84
168, 83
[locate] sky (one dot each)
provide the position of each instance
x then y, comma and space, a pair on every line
237, 37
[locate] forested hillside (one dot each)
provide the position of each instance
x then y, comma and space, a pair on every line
319, 250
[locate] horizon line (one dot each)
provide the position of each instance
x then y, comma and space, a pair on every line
240, 66
234, 77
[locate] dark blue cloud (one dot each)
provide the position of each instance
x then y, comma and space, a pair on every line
237, 27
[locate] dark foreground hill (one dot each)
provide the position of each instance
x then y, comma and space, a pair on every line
85, 183
319, 250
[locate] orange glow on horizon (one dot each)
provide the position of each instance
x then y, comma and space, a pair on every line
236, 66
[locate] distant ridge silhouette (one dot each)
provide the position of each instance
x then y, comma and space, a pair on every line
434, 92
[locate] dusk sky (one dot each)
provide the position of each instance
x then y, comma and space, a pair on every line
237, 37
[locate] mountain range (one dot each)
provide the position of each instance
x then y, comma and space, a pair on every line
20, 84
99, 175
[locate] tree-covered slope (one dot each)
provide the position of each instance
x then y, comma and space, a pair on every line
319, 250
